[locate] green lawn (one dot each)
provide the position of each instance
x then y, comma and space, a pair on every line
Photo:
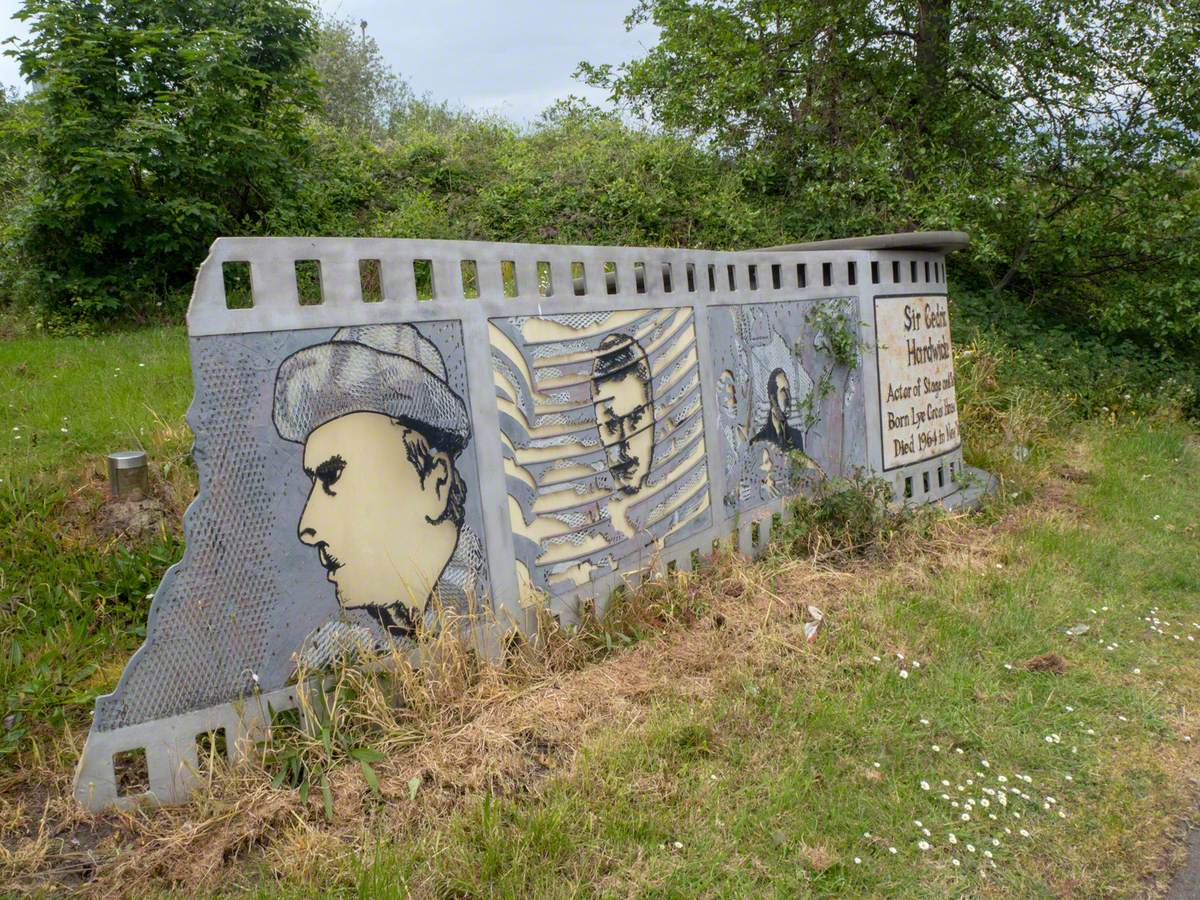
72, 602
69, 401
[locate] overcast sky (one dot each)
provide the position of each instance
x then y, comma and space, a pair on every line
514, 57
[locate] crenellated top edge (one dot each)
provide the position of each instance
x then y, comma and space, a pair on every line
292, 282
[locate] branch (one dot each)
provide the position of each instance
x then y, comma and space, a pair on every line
896, 32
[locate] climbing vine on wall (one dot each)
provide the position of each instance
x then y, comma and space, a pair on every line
837, 334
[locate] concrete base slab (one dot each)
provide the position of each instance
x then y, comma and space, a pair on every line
976, 484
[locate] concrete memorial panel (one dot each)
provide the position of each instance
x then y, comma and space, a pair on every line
919, 412
433, 427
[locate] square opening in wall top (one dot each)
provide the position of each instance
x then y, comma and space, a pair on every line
895, 271
611, 284
238, 292
776, 276
802, 274
827, 274
912, 271
926, 270
731, 273
712, 277
668, 286
691, 277
752, 271
578, 279
370, 280
852, 272
470, 279
639, 277
545, 279
508, 277
423, 276
308, 282
875, 271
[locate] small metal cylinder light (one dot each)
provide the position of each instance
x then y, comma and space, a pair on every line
128, 474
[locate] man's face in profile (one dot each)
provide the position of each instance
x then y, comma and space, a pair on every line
370, 514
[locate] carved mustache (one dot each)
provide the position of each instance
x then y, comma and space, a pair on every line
626, 462
328, 560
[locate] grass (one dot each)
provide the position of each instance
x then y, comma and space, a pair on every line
716, 751
115, 392
794, 766
74, 597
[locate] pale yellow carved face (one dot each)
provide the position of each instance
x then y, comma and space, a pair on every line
369, 515
625, 417
783, 394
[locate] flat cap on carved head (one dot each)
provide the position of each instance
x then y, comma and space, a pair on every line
388, 369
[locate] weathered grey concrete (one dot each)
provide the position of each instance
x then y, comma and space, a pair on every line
937, 241
1185, 885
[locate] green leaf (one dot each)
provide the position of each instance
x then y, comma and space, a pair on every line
84, 673
414, 785
327, 794
372, 778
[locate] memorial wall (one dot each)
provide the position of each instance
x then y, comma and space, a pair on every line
389, 429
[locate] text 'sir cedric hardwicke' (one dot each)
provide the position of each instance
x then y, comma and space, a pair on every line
918, 408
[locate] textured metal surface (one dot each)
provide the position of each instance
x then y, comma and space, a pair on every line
588, 414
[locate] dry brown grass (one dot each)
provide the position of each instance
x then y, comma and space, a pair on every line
460, 727
1046, 662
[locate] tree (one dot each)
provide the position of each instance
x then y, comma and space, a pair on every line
159, 125
359, 92
1051, 129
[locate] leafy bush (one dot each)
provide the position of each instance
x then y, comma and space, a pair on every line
844, 517
1062, 135
154, 128
1083, 370
580, 176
